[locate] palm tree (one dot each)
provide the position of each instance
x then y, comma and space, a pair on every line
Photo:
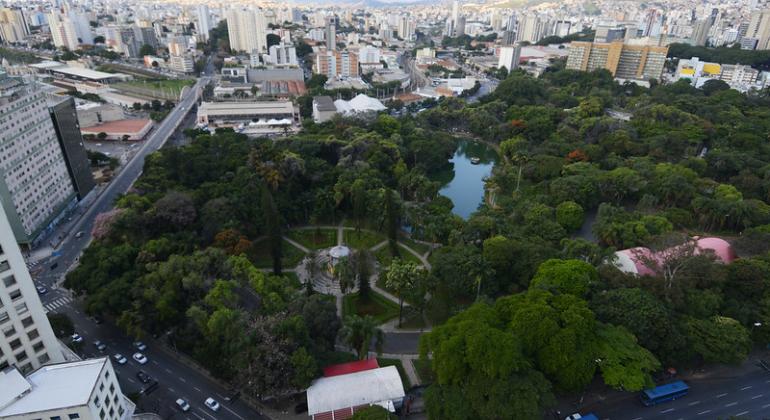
358, 332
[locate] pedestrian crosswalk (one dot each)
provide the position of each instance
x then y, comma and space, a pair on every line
57, 303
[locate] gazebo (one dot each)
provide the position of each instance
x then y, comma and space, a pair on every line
336, 254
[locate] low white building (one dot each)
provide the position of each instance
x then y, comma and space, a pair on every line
85, 390
360, 104
342, 395
323, 109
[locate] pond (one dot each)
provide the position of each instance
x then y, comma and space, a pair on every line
466, 187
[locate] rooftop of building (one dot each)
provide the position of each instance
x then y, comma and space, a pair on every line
246, 108
354, 389
50, 387
324, 103
119, 126
77, 71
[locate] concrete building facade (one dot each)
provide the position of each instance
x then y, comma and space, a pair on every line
624, 61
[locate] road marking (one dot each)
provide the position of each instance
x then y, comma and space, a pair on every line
182, 379
130, 380
694, 403
193, 413
731, 404
155, 363
704, 412
742, 413
757, 396
171, 389
745, 388
766, 405
667, 410
167, 370
721, 395
196, 388
236, 414
204, 412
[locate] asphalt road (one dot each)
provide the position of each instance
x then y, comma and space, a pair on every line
745, 394
176, 380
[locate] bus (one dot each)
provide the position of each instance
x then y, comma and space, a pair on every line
664, 393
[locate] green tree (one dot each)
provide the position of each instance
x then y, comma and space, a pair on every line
363, 260
358, 333
623, 363
569, 215
719, 339
574, 277
146, 49
272, 221
373, 412
401, 277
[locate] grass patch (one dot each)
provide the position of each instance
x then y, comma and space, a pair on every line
260, 255
160, 89
363, 239
417, 246
384, 258
424, 372
401, 372
412, 319
377, 305
314, 239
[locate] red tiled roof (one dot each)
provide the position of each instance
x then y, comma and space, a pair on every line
351, 367
120, 126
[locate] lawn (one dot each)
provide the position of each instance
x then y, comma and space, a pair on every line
314, 238
424, 371
397, 363
260, 255
160, 89
378, 306
417, 246
384, 258
363, 239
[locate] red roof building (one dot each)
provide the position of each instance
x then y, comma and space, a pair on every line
351, 367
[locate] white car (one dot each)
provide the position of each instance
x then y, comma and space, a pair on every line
120, 359
140, 346
182, 404
212, 404
140, 358
76, 338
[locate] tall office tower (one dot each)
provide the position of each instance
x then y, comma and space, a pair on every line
449, 28
508, 38
65, 121
562, 28
204, 21
509, 57
455, 11
247, 30
700, 33
331, 33
512, 24
496, 20
759, 28
70, 29
13, 25
35, 186
632, 62
27, 340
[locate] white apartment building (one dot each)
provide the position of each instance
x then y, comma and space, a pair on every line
35, 186
84, 390
283, 55
247, 30
13, 25
759, 29
369, 55
26, 339
181, 63
69, 29
509, 57
204, 22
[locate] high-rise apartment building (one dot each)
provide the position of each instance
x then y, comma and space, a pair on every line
283, 55
336, 63
65, 121
530, 29
69, 29
510, 57
759, 28
624, 61
331, 33
405, 27
13, 25
700, 33
83, 390
247, 30
26, 338
204, 22
35, 185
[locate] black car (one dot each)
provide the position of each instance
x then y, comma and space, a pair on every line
145, 378
149, 388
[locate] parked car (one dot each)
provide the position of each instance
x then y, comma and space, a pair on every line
149, 388
99, 345
41, 290
212, 404
143, 377
183, 405
140, 358
79, 234
120, 359
76, 338
140, 346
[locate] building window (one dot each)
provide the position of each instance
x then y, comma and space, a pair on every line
4, 266
9, 331
101, 414
9, 281
16, 294
55, 418
74, 416
112, 388
3, 317
21, 356
33, 335
38, 346
21, 308
26, 322
43, 358
15, 344
26, 368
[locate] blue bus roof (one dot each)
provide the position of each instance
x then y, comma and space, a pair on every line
667, 389
589, 416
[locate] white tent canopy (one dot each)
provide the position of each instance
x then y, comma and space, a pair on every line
380, 386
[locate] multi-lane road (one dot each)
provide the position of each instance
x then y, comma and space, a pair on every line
175, 378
